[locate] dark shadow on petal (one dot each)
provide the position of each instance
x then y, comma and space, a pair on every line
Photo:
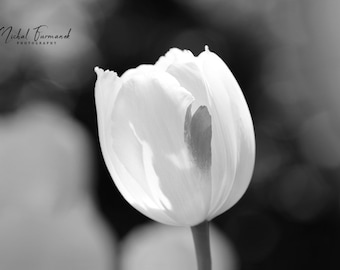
197, 135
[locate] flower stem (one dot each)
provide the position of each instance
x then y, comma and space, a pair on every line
201, 238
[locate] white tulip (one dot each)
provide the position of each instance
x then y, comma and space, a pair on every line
177, 136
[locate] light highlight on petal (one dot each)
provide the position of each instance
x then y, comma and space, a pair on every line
235, 120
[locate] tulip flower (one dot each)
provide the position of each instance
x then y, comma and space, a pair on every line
177, 136
178, 140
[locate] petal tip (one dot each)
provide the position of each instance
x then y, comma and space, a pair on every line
98, 70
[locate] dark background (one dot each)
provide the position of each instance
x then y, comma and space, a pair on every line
286, 58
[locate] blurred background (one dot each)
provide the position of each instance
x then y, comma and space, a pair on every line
59, 208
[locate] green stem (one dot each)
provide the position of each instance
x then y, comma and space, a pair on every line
201, 238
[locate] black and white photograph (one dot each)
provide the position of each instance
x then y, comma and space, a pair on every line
163, 135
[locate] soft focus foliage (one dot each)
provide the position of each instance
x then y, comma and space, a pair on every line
50, 71
75, 240
48, 219
155, 246
45, 160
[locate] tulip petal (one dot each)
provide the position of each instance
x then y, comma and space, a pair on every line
174, 55
237, 129
223, 144
233, 147
190, 77
107, 87
151, 164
